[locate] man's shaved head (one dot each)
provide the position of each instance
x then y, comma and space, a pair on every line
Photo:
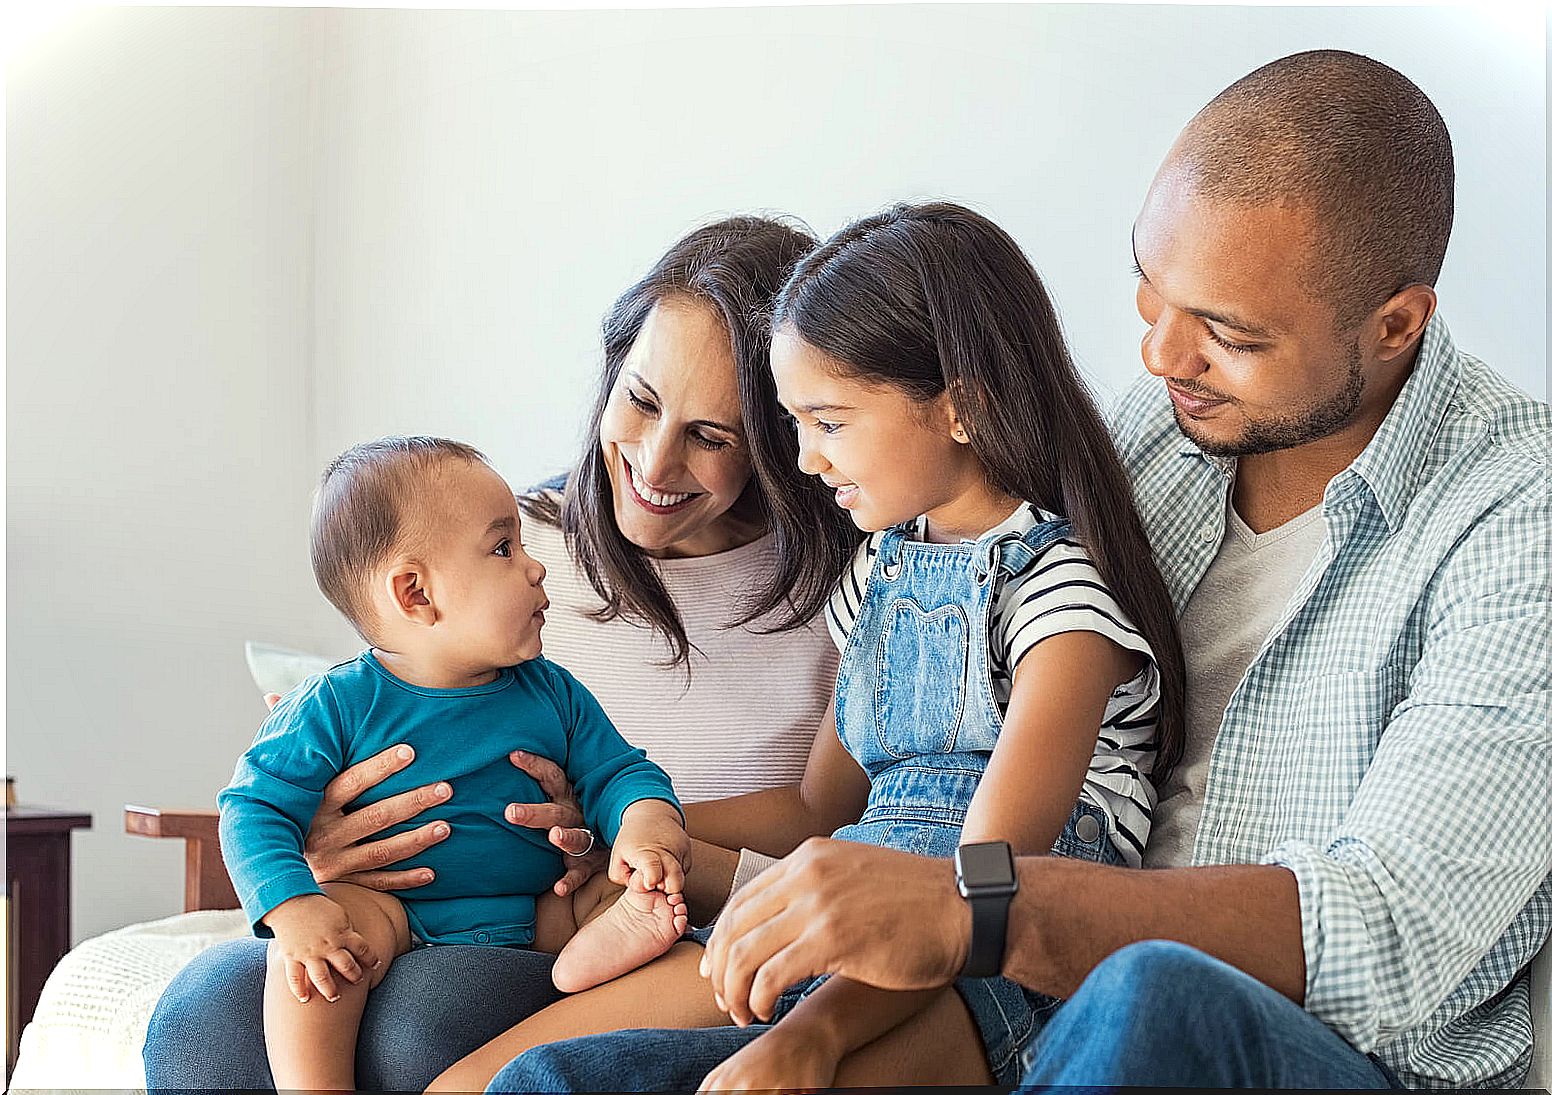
1353, 141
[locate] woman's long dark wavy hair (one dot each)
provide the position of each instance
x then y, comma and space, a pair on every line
735, 266
932, 298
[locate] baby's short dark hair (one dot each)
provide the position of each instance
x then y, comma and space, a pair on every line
364, 510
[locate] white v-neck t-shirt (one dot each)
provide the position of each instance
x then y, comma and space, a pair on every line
1229, 615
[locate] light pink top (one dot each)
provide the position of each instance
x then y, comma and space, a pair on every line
744, 719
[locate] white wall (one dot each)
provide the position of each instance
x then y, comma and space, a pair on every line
490, 181
158, 437
242, 239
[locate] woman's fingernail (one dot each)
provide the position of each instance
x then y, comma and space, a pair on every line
443, 790
404, 752
439, 829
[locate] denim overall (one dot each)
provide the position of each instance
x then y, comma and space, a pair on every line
914, 705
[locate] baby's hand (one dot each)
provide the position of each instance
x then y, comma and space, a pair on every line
652, 845
314, 938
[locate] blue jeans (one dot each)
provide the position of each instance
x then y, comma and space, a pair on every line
1152, 1014
437, 1005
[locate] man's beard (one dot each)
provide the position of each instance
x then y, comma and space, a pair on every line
1311, 424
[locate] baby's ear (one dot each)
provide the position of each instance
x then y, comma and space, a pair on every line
409, 594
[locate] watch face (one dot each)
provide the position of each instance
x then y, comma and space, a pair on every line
989, 864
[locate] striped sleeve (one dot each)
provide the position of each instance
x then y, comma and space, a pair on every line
846, 601
1061, 591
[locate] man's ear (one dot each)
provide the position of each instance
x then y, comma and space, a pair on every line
1399, 322
409, 592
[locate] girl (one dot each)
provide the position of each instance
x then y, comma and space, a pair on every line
1010, 669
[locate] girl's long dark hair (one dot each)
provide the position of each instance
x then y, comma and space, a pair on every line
735, 266
933, 298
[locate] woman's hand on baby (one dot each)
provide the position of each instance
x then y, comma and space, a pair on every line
776, 1060
337, 848
652, 845
314, 938
562, 816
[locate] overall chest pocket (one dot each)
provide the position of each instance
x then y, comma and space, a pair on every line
919, 696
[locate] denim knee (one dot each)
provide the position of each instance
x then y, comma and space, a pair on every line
1165, 982
1150, 967
192, 1045
1176, 1017
598, 1062
538, 1069
625, 1060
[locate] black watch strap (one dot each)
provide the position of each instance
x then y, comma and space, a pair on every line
988, 934
987, 880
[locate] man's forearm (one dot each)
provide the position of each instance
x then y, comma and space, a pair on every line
1070, 915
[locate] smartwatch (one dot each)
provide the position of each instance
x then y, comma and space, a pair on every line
987, 880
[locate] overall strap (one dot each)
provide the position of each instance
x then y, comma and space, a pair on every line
891, 545
1014, 552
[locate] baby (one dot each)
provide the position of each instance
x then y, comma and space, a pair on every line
416, 540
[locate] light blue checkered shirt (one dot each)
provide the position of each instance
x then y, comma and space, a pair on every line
1389, 743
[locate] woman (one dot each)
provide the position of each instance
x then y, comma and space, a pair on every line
687, 561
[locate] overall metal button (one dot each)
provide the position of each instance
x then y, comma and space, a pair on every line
1087, 828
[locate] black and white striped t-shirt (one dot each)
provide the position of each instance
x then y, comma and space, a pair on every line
1060, 591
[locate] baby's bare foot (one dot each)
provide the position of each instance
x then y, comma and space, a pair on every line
630, 933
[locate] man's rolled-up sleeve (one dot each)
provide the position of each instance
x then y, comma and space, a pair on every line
1447, 837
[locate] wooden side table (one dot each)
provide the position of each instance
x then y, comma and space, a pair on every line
37, 889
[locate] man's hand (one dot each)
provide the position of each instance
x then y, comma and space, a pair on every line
886, 918
652, 842
314, 938
562, 816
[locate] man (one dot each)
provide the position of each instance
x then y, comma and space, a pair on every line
1354, 852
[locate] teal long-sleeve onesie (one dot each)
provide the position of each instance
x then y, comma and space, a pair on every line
488, 871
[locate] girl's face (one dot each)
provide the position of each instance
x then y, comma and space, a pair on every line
672, 436
887, 457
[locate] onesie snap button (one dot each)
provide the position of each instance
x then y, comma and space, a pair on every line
482, 937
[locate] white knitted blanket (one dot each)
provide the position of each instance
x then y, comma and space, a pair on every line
92, 1016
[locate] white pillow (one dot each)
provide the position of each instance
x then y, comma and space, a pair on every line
276, 669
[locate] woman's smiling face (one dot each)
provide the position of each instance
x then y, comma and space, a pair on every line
672, 436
